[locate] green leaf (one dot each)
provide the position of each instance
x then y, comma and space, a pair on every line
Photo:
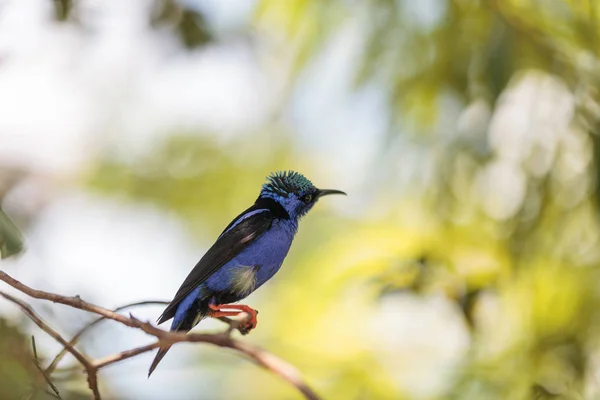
11, 240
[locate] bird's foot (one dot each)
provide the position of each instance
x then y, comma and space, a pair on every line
249, 323
224, 310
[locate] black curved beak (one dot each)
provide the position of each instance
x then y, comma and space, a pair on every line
327, 192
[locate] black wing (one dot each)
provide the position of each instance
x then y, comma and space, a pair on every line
228, 245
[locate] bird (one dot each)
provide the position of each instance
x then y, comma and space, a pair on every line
249, 251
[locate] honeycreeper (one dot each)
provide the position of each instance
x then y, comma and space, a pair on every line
247, 254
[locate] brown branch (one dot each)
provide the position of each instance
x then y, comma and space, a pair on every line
83, 330
259, 356
77, 302
165, 338
266, 360
73, 301
83, 360
52, 367
124, 355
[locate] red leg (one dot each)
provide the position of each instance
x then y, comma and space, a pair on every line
217, 314
217, 310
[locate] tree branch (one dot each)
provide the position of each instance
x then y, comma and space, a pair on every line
87, 327
83, 360
261, 357
124, 355
55, 393
232, 323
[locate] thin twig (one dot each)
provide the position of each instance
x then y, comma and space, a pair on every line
124, 355
266, 360
256, 354
83, 330
73, 301
46, 376
165, 338
232, 323
83, 360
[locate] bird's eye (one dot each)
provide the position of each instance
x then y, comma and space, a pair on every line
307, 198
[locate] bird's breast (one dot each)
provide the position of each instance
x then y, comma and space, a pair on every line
269, 250
243, 279
257, 263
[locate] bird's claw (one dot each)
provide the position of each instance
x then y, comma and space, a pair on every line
246, 328
249, 323
245, 321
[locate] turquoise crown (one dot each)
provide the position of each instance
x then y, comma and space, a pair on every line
286, 182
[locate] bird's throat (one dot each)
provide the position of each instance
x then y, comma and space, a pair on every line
272, 205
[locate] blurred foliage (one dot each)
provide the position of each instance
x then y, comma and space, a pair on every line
195, 176
11, 240
501, 243
17, 371
19, 377
518, 256
62, 9
304, 24
188, 23
522, 276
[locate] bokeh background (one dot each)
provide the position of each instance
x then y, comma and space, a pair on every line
464, 263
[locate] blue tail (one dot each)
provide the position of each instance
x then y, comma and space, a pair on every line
162, 351
190, 311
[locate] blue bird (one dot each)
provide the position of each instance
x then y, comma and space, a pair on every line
248, 253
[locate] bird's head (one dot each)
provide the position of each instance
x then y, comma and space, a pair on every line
294, 192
